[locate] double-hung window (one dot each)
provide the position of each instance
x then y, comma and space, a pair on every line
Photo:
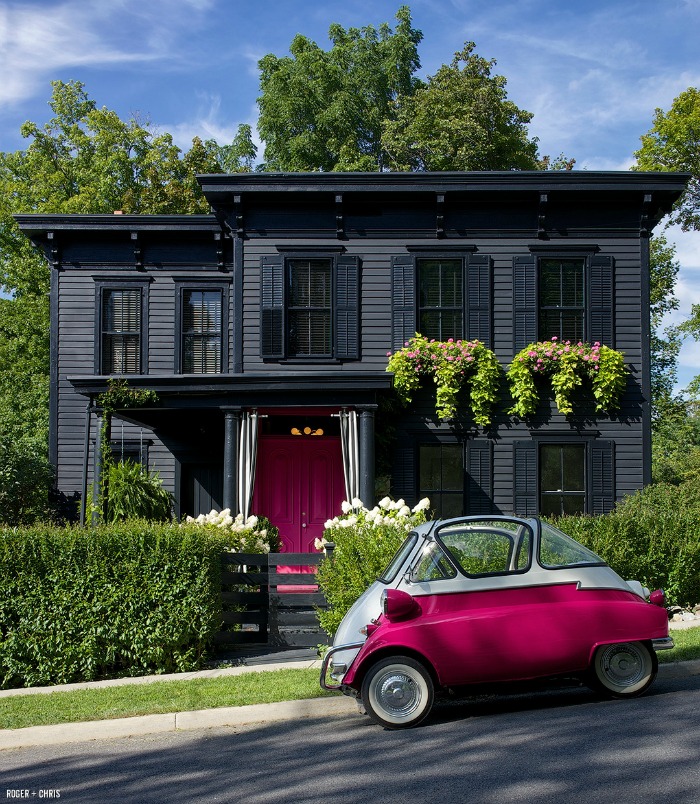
121, 313
441, 478
441, 298
562, 300
562, 479
442, 293
310, 305
563, 292
310, 308
201, 330
555, 477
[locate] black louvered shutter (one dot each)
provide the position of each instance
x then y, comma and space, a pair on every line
272, 306
524, 301
403, 475
403, 300
602, 476
601, 297
347, 308
525, 482
478, 299
479, 477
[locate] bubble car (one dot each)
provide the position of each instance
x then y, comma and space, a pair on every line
478, 600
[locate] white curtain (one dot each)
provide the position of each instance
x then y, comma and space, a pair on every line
247, 454
351, 453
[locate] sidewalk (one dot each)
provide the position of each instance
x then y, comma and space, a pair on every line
211, 718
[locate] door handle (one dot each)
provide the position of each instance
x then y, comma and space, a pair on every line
303, 524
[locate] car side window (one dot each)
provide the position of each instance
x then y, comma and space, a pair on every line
488, 550
432, 565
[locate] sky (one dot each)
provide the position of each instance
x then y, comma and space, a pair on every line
591, 71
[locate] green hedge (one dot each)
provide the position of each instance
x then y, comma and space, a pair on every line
120, 600
652, 536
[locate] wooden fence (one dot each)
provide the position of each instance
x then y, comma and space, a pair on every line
270, 600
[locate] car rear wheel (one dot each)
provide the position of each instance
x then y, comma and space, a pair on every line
623, 670
398, 692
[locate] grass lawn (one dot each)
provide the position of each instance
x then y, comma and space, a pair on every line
129, 700
181, 696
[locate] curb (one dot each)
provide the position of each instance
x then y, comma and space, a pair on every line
230, 716
179, 721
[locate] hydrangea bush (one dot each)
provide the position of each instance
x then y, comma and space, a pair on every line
365, 542
566, 365
452, 365
253, 535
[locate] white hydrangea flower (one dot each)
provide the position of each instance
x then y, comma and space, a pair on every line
345, 507
404, 511
357, 502
385, 502
422, 505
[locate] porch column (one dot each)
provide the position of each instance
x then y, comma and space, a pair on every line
231, 428
97, 485
365, 429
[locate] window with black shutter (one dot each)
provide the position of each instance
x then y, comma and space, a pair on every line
441, 296
202, 331
121, 330
310, 307
570, 296
567, 476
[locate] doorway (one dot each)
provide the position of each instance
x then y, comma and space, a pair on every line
299, 485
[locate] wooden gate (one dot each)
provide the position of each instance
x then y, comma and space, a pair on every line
263, 606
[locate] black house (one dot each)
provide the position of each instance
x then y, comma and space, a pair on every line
264, 329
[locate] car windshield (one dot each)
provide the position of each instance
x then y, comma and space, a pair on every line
559, 550
398, 560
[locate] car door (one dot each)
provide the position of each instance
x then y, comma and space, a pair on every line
491, 618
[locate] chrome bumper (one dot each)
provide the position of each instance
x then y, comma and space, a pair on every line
664, 643
326, 661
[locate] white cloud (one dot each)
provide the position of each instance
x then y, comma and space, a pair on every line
37, 41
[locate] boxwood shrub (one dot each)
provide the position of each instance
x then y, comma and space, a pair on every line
121, 600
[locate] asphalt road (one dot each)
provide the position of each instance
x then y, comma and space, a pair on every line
535, 747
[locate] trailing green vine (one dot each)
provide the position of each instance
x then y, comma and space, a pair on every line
566, 365
452, 365
127, 489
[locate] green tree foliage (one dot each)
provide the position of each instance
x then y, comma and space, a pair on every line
673, 144
324, 110
84, 160
665, 341
460, 120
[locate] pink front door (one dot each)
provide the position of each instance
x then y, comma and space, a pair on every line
298, 486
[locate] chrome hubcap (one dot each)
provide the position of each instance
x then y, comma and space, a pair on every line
623, 666
398, 694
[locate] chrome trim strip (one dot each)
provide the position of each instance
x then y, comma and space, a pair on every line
326, 660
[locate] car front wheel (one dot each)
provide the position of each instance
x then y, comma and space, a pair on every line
397, 692
623, 670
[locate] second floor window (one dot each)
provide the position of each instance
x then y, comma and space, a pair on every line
562, 302
121, 331
309, 310
202, 331
440, 313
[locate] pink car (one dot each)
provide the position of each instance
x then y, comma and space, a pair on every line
488, 599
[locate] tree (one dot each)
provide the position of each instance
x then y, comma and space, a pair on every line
665, 343
84, 160
460, 120
673, 144
324, 110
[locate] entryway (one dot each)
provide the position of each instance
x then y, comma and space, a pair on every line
299, 485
